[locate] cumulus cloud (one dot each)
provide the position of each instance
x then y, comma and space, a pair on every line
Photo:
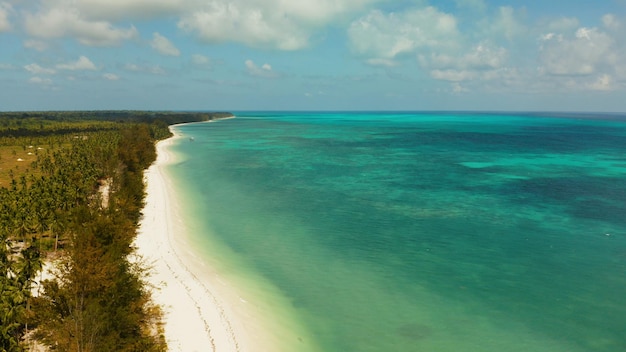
38, 70
453, 75
477, 45
382, 62
580, 54
200, 60
152, 69
113, 10
67, 22
264, 71
276, 24
475, 5
163, 45
279, 24
5, 9
507, 23
458, 88
434, 38
603, 83
482, 62
111, 77
39, 80
563, 24
584, 58
35, 44
481, 57
383, 37
250, 26
567, 56
83, 63
611, 22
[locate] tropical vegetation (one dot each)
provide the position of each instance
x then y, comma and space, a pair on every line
71, 194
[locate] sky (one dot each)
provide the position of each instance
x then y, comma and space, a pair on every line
236, 55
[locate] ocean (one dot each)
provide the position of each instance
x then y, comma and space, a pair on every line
418, 231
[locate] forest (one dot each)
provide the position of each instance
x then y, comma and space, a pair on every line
71, 194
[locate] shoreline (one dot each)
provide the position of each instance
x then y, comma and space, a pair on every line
200, 311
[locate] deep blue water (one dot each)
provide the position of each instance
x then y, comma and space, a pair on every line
424, 231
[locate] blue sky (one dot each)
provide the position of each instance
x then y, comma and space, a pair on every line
313, 55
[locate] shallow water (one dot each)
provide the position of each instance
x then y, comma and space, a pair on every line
421, 232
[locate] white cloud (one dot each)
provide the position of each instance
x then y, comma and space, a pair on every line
453, 75
603, 83
67, 22
39, 80
37, 70
250, 26
475, 5
581, 54
611, 22
484, 67
458, 88
382, 62
482, 62
382, 37
279, 24
620, 70
83, 63
264, 71
110, 77
132, 67
200, 60
582, 58
507, 24
114, 10
276, 24
476, 46
318, 93
481, 57
152, 69
163, 45
563, 24
5, 24
35, 44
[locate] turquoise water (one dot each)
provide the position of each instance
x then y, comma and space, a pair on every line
423, 232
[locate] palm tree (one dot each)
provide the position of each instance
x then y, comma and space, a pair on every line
28, 265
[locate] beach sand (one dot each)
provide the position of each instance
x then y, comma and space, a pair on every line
202, 311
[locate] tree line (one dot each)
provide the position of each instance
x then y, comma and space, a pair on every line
54, 208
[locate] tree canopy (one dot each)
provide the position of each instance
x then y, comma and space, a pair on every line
52, 168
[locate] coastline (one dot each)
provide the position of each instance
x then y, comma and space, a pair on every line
202, 310
195, 316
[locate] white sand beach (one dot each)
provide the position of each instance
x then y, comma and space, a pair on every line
202, 312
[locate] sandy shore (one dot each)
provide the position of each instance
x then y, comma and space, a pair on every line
202, 312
